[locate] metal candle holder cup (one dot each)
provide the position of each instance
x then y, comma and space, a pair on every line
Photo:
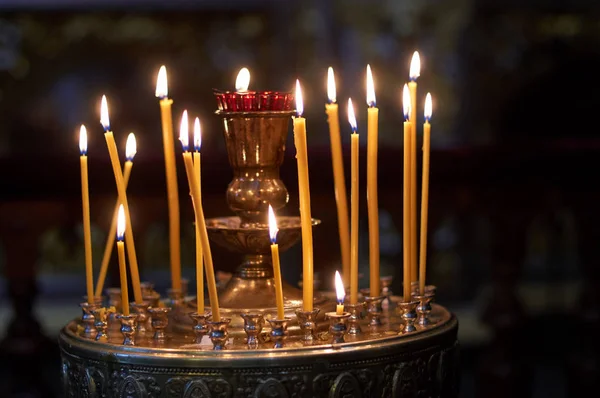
308, 323
409, 316
141, 309
88, 320
153, 298
374, 310
337, 326
253, 325
101, 323
114, 297
386, 290
147, 288
176, 296
128, 326
160, 320
355, 311
424, 307
279, 331
201, 328
218, 333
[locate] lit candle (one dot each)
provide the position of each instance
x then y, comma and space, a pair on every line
340, 292
200, 222
372, 201
415, 71
425, 192
242, 81
338, 176
121, 254
171, 176
354, 200
85, 202
116, 166
304, 189
406, 197
276, 266
130, 151
198, 176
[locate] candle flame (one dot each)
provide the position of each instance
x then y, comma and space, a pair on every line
242, 82
130, 147
406, 102
104, 121
351, 116
162, 88
184, 132
370, 88
428, 107
272, 225
299, 99
340, 292
331, 93
415, 66
197, 135
82, 140
121, 223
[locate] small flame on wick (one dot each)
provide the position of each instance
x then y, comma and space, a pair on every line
299, 99
83, 140
340, 292
162, 88
104, 121
184, 132
197, 135
331, 92
406, 102
272, 225
121, 223
130, 147
428, 107
242, 82
415, 66
351, 116
370, 88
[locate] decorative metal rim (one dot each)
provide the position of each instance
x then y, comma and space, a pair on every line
255, 114
212, 223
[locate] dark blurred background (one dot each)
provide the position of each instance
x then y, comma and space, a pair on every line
514, 195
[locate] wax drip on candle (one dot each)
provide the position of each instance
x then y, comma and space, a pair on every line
184, 133
351, 116
428, 107
162, 88
406, 102
83, 145
371, 102
104, 120
242, 82
331, 91
197, 135
299, 99
415, 67
130, 147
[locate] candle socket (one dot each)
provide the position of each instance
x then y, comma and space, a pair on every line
414, 287
279, 331
143, 319
201, 328
409, 316
101, 323
185, 284
424, 307
160, 320
356, 314
147, 288
128, 328
253, 325
176, 297
337, 326
97, 300
307, 320
114, 297
88, 320
152, 297
218, 333
386, 291
374, 310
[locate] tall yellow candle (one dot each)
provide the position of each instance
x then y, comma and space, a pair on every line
372, 200
130, 151
276, 265
354, 201
415, 71
200, 222
340, 293
121, 254
171, 176
304, 189
116, 166
198, 175
406, 197
425, 192
85, 204
339, 180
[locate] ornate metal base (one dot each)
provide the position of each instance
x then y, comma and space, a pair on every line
423, 363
